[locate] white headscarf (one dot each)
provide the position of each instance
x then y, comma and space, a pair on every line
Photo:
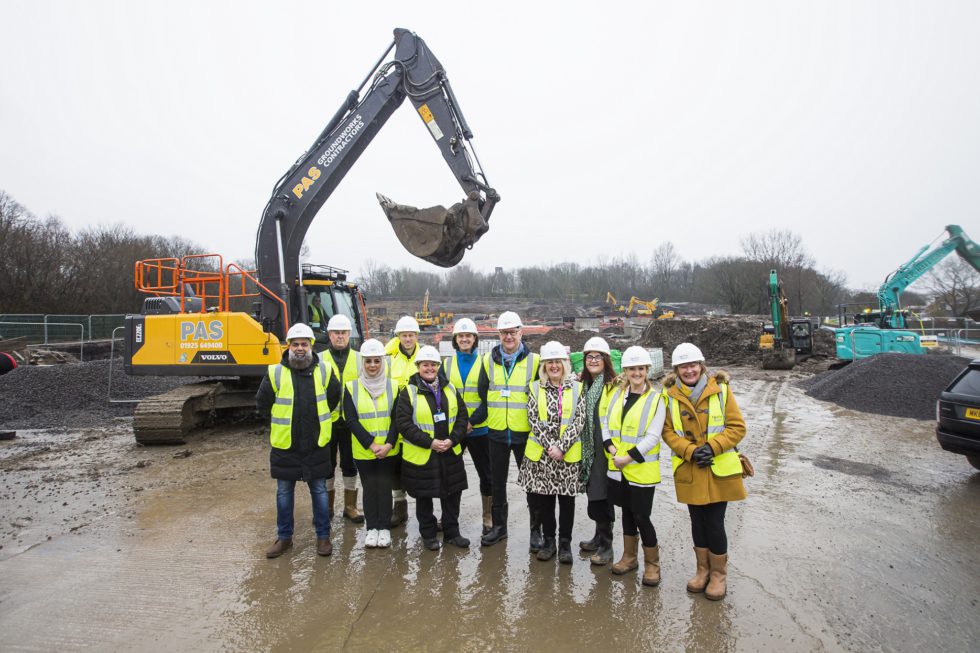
375, 385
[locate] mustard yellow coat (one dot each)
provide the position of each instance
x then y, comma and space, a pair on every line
697, 485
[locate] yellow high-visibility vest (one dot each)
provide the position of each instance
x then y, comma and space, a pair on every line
423, 418
400, 367
375, 416
281, 433
507, 396
471, 395
626, 431
724, 464
569, 400
349, 374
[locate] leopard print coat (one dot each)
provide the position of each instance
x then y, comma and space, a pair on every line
547, 476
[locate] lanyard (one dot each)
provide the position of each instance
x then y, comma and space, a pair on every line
435, 393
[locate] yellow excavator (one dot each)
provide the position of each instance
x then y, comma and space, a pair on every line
642, 307
206, 318
426, 319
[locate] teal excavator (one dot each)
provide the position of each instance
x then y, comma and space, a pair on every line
884, 330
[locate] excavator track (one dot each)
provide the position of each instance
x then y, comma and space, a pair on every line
169, 417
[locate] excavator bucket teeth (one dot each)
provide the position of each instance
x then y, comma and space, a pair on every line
437, 234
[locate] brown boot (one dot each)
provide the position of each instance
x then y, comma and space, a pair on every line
487, 514
399, 513
323, 547
697, 584
651, 565
718, 577
628, 562
278, 548
350, 507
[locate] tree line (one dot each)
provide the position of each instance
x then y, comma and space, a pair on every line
46, 268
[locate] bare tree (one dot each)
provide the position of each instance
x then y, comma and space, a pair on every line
664, 263
955, 284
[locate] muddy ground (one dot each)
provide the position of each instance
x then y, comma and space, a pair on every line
859, 534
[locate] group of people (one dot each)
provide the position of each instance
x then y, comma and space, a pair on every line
402, 416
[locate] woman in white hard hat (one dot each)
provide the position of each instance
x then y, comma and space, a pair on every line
369, 411
432, 419
553, 453
631, 438
598, 380
703, 427
463, 370
402, 350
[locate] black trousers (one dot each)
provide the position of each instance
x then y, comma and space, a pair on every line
340, 439
377, 480
545, 505
708, 527
602, 511
427, 518
500, 466
479, 448
637, 504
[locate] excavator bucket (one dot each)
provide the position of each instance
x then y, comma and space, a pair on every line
437, 234
783, 358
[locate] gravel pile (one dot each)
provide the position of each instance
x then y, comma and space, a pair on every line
74, 394
568, 337
901, 385
724, 340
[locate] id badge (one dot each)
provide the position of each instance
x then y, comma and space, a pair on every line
505, 392
439, 417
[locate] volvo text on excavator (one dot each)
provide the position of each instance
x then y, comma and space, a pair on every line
194, 324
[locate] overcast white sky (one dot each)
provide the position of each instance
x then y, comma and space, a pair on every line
606, 127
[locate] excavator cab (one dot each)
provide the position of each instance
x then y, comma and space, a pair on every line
328, 293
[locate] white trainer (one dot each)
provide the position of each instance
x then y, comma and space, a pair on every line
371, 539
384, 539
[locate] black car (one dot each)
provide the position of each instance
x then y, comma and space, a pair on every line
958, 415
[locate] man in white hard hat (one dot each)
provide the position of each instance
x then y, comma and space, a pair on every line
297, 395
402, 350
343, 362
508, 369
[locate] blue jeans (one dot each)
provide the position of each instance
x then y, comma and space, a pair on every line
285, 493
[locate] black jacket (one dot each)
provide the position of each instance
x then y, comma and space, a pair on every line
444, 473
483, 387
304, 460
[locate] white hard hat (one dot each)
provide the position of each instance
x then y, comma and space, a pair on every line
685, 353
428, 353
635, 356
509, 320
372, 348
300, 330
339, 323
553, 350
407, 323
595, 343
465, 325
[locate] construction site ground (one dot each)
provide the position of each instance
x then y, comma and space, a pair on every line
859, 534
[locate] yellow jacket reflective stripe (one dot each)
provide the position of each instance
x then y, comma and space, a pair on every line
471, 395
626, 432
375, 416
725, 463
422, 416
569, 400
281, 432
507, 396
350, 374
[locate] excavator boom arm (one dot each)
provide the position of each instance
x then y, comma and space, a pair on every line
439, 235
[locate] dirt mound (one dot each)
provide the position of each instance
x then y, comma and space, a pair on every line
724, 340
901, 385
73, 394
568, 337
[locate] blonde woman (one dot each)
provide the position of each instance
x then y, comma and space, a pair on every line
631, 438
552, 457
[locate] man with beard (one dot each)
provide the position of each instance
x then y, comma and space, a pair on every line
298, 395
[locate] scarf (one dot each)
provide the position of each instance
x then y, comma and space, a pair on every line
375, 385
592, 396
694, 391
509, 359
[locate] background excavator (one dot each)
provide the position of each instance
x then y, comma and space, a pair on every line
211, 319
885, 330
786, 340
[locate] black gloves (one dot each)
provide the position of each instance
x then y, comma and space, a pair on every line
703, 455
